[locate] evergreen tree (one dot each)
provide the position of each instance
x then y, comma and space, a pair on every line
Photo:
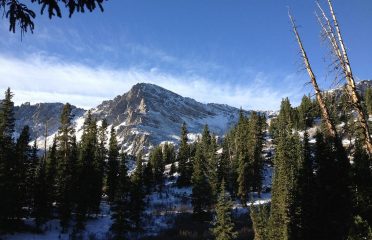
224, 226
113, 166
362, 182
332, 191
51, 172
306, 113
260, 216
137, 195
148, 177
156, 160
201, 190
41, 204
169, 154
87, 172
303, 205
25, 170
121, 207
360, 229
183, 158
213, 168
282, 221
66, 155
368, 100
99, 165
10, 199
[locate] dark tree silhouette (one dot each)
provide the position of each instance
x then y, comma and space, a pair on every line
21, 14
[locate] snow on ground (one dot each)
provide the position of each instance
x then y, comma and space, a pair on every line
97, 227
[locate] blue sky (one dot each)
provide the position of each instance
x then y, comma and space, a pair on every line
239, 52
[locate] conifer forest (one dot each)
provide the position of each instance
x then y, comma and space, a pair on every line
154, 164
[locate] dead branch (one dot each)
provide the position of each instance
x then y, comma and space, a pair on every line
323, 107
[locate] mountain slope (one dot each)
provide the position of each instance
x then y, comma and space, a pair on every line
145, 116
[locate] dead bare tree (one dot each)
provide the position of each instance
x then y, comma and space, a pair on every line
323, 107
333, 33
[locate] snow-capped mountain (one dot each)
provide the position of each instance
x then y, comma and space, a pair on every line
145, 116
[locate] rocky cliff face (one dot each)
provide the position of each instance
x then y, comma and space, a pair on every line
143, 117
148, 115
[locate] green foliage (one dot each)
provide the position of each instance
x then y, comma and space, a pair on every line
183, 158
360, 230
113, 166
121, 224
157, 163
260, 216
201, 190
224, 227
137, 195
368, 100
67, 165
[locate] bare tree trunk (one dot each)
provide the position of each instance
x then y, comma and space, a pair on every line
323, 107
355, 99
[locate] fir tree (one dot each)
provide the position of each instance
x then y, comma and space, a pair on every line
260, 216
201, 190
282, 216
99, 165
87, 172
332, 191
66, 165
41, 204
137, 195
183, 158
9, 200
51, 172
25, 169
148, 177
213, 168
113, 166
362, 182
121, 224
368, 100
224, 226
169, 155
157, 163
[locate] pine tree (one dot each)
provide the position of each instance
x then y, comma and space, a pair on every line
25, 169
66, 164
113, 166
368, 100
99, 165
41, 205
213, 168
148, 177
169, 155
156, 159
303, 205
360, 229
183, 158
51, 172
282, 216
137, 195
260, 216
243, 158
121, 224
332, 191
224, 226
362, 182
201, 190
86, 184
306, 113
9, 200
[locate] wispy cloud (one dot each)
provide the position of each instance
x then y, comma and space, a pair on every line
38, 78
